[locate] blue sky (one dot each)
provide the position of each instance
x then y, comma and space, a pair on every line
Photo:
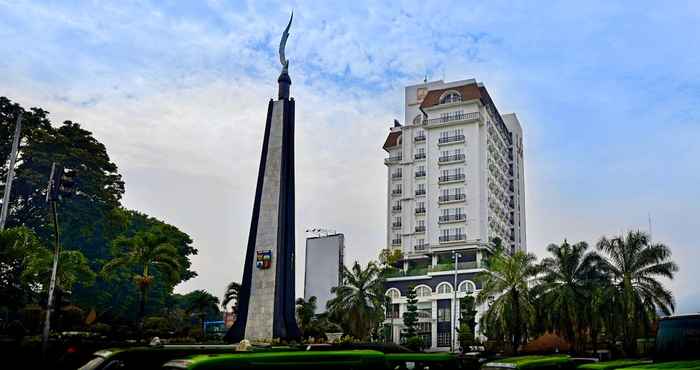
608, 94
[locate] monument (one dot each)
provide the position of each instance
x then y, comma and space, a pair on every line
266, 298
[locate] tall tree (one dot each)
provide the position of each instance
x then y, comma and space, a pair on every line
635, 265
144, 252
231, 296
570, 274
359, 301
305, 312
18, 247
505, 287
467, 321
410, 317
202, 304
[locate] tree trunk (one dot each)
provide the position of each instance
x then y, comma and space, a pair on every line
517, 335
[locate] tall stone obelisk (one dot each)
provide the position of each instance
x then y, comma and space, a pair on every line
266, 298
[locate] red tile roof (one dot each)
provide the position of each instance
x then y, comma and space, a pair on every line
392, 140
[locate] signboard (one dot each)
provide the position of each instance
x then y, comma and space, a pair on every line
263, 259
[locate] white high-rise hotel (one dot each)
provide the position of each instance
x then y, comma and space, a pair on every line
455, 182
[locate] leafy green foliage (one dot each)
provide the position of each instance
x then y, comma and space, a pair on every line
410, 317
566, 286
505, 288
147, 252
635, 265
231, 295
467, 322
90, 221
359, 302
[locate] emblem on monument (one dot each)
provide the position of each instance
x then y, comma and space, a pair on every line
263, 259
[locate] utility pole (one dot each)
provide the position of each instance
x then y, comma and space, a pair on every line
454, 304
10, 172
52, 198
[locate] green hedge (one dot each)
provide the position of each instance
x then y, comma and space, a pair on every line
610, 365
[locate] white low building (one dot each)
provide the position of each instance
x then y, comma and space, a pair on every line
455, 181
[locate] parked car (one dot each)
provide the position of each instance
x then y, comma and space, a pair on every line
151, 357
553, 362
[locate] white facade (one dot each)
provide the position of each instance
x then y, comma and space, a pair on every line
455, 182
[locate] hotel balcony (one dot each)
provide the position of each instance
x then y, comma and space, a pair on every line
393, 159
451, 158
420, 229
419, 138
395, 242
395, 209
419, 156
451, 139
420, 211
420, 192
452, 198
451, 178
420, 174
396, 176
396, 192
452, 218
452, 238
395, 225
420, 247
452, 117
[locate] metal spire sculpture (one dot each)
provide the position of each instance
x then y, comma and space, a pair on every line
284, 80
266, 301
283, 42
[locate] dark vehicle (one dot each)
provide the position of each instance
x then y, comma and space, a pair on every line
678, 337
672, 365
152, 357
296, 360
611, 365
554, 362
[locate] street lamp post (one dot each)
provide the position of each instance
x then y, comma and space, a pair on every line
453, 330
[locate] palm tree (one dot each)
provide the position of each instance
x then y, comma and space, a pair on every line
566, 285
306, 311
201, 304
635, 265
505, 285
231, 295
359, 301
144, 252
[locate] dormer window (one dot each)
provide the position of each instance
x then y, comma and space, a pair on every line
417, 120
450, 97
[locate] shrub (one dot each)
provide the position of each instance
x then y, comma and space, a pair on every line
32, 318
414, 343
156, 326
72, 317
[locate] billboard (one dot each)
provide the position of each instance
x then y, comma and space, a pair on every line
324, 267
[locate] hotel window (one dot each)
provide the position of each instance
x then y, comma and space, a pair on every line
420, 223
450, 97
421, 188
459, 131
443, 313
420, 206
423, 291
418, 119
444, 288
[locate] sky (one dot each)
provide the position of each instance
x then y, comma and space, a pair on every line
608, 94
